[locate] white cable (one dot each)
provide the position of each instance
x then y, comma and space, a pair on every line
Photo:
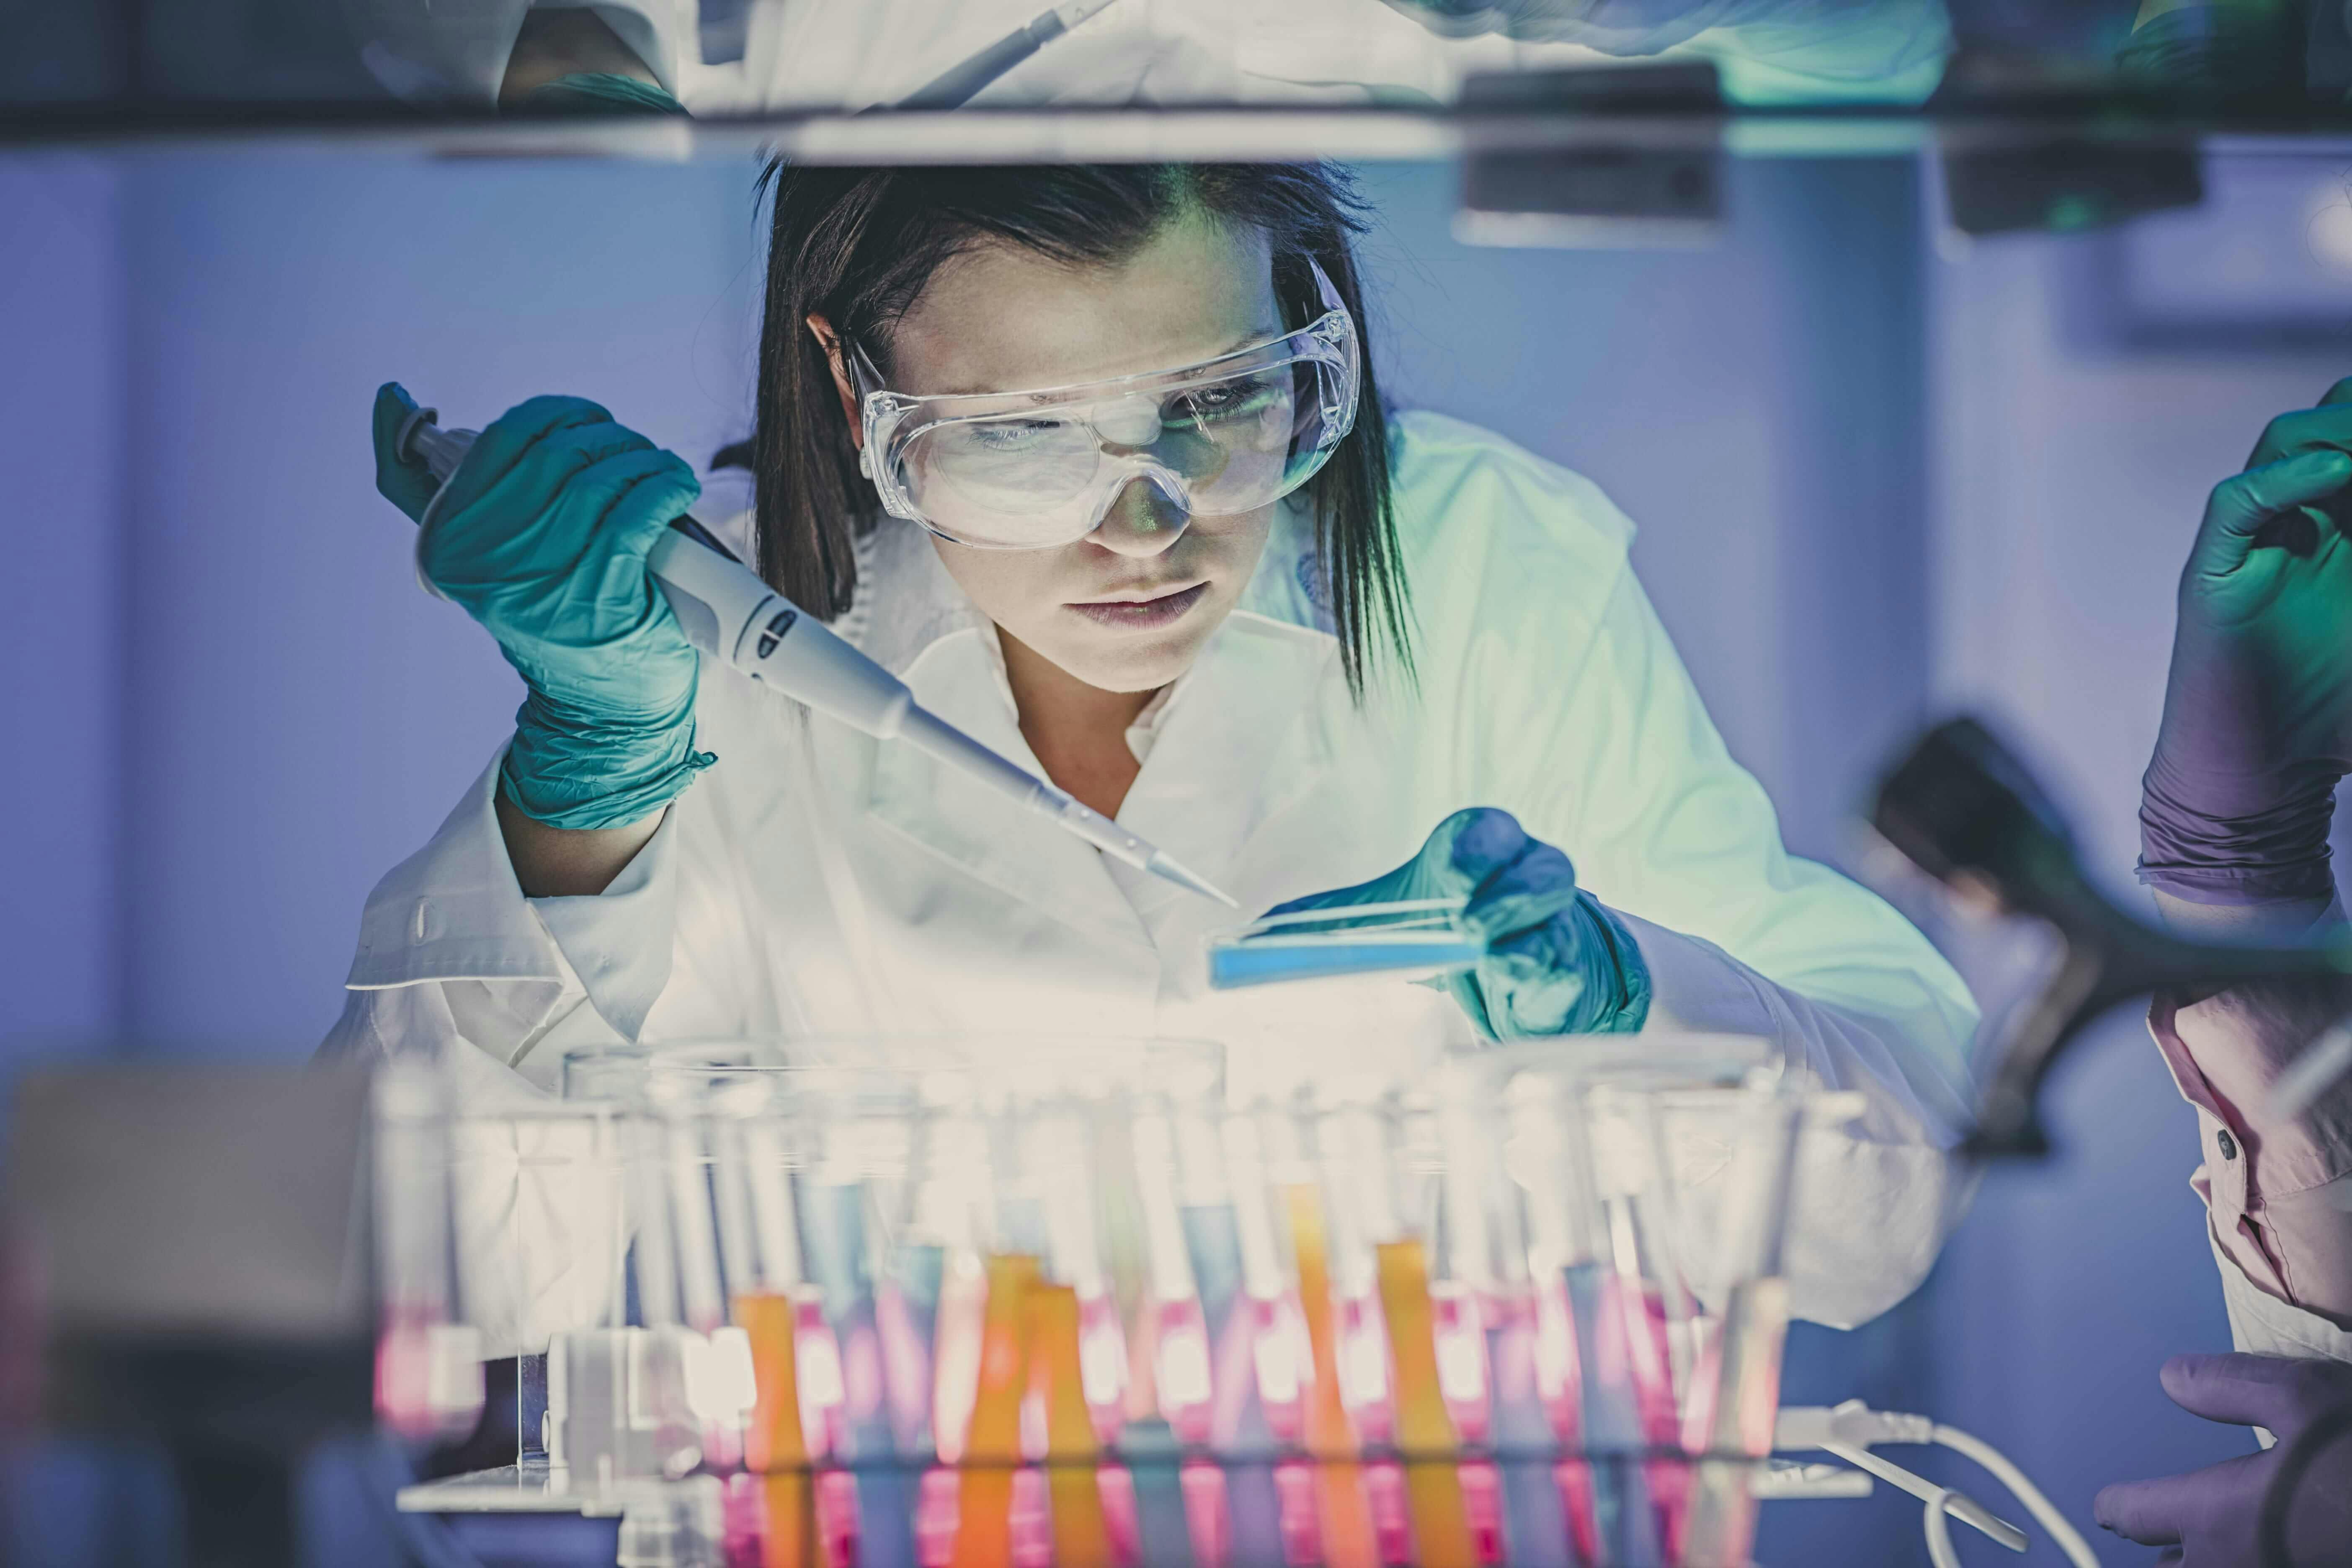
2069, 1541
1939, 1534
1943, 1498
1849, 1431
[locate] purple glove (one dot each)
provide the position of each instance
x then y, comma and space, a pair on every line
2258, 713
2209, 1518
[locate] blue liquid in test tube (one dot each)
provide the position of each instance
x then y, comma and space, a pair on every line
1624, 1517
837, 1263
1253, 1507
1534, 1518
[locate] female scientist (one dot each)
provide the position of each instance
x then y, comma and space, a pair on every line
1093, 459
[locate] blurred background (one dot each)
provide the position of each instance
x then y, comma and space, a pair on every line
1882, 471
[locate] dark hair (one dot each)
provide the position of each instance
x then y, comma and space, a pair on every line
857, 246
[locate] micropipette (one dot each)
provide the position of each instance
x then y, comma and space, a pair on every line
727, 612
962, 81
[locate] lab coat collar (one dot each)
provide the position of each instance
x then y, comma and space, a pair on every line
1208, 776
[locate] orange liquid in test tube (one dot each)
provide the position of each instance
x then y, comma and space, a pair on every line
774, 1441
1346, 1512
1441, 1516
788, 1535
774, 1444
1081, 1531
991, 1450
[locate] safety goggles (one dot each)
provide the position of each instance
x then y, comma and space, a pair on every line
1028, 471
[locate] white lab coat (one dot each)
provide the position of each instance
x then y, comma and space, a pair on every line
817, 882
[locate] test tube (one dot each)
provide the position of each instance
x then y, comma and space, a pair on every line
1737, 1265
1619, 1350
1597, 1410
1485, 1227
1381, 1168
428, 1364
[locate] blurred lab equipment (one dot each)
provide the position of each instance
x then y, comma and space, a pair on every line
2003, 183
1636, 190
199, 1240
1967, 812
735, 618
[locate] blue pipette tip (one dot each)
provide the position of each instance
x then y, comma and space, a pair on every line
1162, 865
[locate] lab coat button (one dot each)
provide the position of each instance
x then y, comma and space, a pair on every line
427, 923
2229, 1145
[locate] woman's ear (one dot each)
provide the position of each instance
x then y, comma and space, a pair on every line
830, 341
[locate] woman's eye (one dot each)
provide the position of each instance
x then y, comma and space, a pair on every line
1012, 436
1238, 400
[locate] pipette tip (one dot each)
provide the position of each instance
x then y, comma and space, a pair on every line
1162, 865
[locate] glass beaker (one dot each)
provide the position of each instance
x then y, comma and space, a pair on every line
542, 1237
1593, 1145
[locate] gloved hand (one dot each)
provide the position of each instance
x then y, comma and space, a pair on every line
542, 535
1557, 961
2258, 713
2209, 1518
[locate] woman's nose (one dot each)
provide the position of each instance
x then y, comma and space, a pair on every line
1144, 520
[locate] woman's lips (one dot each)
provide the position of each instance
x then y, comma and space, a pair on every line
1142, 614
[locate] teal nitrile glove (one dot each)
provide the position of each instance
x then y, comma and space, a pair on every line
1557, 961
542, 535
404, 482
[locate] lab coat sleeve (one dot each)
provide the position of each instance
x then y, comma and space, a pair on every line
1740, 936
535, 1207
1582, 720
518, 980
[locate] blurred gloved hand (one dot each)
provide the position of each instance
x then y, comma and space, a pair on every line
2258, 713
1557, 961
542, 535
2209, 1518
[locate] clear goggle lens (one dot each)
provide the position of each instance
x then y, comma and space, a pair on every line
1031, 470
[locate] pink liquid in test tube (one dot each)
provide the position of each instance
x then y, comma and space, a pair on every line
1643, 1323
1301, 1524
1184, 1385
1559, 1383
818, 1359
1206, 1516
937, 1513
1459, 1329
1363, 1368
1102, 1365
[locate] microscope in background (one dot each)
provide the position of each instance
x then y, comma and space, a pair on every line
1967, 813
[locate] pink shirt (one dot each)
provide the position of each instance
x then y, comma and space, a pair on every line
2278, 1194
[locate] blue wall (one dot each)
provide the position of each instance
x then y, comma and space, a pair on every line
304, 716
1874, 479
